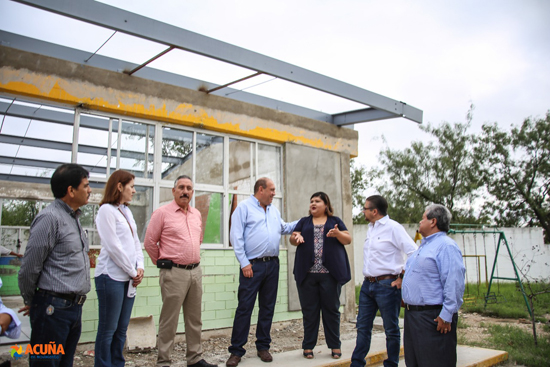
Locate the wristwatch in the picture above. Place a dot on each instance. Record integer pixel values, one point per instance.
(401, 275)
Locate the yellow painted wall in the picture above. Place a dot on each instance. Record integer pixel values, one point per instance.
(73, 84)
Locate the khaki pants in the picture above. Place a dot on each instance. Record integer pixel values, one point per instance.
(180, 289)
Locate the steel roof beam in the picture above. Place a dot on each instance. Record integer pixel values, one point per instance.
(146, 28)
(24, 162)
(88, 149)
(354, 117)
(73, 55)
(370, 114)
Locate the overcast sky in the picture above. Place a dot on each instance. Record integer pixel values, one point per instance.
(438, 56)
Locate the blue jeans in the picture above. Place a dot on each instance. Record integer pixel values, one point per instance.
(373, 297)
(264, 284)
(115, 309)
(61, 326)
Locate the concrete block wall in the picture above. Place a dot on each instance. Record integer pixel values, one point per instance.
(220, 285)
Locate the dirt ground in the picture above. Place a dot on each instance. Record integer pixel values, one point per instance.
(286, 336)
(476, 329)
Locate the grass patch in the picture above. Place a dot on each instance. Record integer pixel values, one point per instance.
(520, 345)
(510, 301)
(462, 324)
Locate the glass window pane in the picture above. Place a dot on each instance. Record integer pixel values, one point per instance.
(17, 170)
(14, 238)
(44, 154)
(36, 129)
(269, 164)
(209, 159)
(87, 220)
(177, 154)
(210, 206)
(33, 147)
(142, 208)
(93, 140)
(94, 163)
(165, 196)
(19, 212)
(137, 147)
(240, 153)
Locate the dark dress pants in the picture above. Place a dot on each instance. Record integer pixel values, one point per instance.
(263, 284)
(424, 345)
(320, 293)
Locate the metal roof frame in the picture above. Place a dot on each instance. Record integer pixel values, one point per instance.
(377, 107)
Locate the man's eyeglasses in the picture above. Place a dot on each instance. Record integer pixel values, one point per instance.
(368, 208)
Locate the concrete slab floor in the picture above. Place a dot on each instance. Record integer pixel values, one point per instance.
(467, 356)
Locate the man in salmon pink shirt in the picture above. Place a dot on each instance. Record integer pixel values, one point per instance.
(173, 241)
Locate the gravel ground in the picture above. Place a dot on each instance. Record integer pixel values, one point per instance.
(286, 336)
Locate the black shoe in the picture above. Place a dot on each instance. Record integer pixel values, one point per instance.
(202, 363)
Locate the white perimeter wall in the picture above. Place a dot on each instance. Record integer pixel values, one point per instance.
(530, 253)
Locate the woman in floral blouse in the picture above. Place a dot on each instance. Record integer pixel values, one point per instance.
(321, 268)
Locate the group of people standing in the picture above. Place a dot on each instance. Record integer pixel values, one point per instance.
(429, 285)
(55, 274)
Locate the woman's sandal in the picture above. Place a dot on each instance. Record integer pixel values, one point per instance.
(308, 355)
(336, 355)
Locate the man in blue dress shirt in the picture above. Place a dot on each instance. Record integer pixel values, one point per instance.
(432, 289)
(256, 228)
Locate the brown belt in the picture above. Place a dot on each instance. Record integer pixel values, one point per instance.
(381, 277)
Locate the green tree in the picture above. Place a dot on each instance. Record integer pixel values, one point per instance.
(516, 171)
(443, 171)
(19, 212)
(361, 179)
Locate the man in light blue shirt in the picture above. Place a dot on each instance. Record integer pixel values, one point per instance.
(9, 322)
(256, 229)
(432, 290)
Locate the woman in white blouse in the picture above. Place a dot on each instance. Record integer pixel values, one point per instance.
(119, 268)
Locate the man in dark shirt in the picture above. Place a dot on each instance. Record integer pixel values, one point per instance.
(55, 270)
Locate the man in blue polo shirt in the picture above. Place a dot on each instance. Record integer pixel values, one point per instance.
(432, 289)
(256, 229)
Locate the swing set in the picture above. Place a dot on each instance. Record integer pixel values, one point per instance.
(490, 297)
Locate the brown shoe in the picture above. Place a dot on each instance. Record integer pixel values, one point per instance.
(265, 356)
(233, 361)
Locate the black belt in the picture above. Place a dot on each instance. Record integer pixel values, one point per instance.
(264, 259)
(186, 267)
(423, 308)
(76, 298)
(381, 277)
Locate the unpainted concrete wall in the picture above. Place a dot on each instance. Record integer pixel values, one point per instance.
(310, 170)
